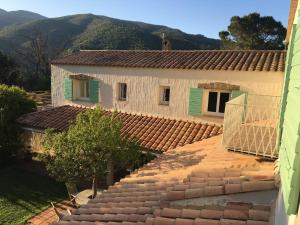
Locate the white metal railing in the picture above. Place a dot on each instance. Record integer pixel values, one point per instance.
(250, 125)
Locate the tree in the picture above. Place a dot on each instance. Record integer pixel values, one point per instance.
(34, 58)
(89, 149)
(253, 32)
(9, 72)
(13, 103)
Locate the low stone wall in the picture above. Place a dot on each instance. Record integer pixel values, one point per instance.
(32, 141)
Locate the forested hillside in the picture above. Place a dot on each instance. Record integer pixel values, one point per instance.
(33, 44)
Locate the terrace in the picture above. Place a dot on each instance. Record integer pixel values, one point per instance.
(250, 125)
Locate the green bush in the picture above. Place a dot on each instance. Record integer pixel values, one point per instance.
(13, 103)
(90, 149)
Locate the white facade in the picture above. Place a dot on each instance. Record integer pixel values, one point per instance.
(144, 87)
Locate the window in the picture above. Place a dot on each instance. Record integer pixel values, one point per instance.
(216, 102)
(82, 89)
(165, 95)
(122, 91)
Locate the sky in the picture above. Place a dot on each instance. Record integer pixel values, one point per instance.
(206, 17)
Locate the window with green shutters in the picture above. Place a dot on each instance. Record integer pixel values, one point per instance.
(195, 101)
(68, 86)
(289, 126)
(81, 90)
(94, 91)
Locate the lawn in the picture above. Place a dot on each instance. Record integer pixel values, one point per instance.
(24, 194)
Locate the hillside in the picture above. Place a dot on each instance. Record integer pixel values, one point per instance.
(89, 31)
(33, 44)
(15, 17)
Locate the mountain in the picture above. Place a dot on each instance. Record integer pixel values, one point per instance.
(87, 31)
(33, 44)
(15, 17)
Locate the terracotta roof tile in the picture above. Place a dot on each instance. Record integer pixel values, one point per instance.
(245, 60)
(232, 222)
(148, 194)
(154, 133)
(206, 222)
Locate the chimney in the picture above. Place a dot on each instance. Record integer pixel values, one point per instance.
(166, 44)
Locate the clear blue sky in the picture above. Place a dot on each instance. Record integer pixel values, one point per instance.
(206, 17)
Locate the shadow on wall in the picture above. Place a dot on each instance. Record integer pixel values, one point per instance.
(280, 217)
(106, 91)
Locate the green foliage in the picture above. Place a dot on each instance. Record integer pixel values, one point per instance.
(253, 32)
(84, 151)
(25, 194)
(9, 71)
(13, 103)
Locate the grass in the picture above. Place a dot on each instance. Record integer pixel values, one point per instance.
(24, 194)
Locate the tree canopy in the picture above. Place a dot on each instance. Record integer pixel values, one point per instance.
(89, 148)
(9, 72)
(253, 31)
(13, 103)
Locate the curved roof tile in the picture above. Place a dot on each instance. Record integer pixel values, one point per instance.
(154, 133)
(240, 60)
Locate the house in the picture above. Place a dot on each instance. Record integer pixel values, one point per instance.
(195, 181)
(188, 89)
(189, 85)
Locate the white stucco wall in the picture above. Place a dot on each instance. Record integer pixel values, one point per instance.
(143, 86)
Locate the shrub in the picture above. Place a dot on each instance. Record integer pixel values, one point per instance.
(14, 102)
(90, 149)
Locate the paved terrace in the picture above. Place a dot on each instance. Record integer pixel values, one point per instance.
(197, 184)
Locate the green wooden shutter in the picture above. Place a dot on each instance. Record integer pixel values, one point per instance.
(68, 92)
(288, 135)
(195, 101)
(94, 91)
(237, 93)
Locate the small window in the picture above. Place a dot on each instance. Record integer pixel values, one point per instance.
(216, 102)
(83, 90)
(122, 91)
(165, 95)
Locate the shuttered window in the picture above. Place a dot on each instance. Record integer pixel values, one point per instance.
(82, 90)
(195, 101)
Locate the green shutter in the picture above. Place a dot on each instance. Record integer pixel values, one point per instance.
(289, 123)
(237, 93)
(94, 91)
(68, 89)
(195, 101)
